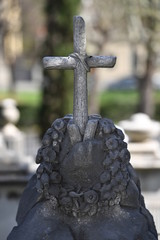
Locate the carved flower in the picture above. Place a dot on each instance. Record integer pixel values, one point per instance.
(113, 195)
(58, 124)
(117, 199)
(114, 168)
(123, 167)
(114, 154)
(68, 116)
(124, 155)
(52, 155)
(97, 187)
(124, 182)
(49, 155)
(113, 182)
(121, 187)
(107, 129)
(119, 177)
(47, 167)
(39, 156)
(93, 210)
(120, 133)
(126, 175)
(60, 138)
(85, 207)
(54, 135)
(56, 146)
(107, 126)
(63, 193)
(106, 191)
(45, 179)
(46, 141)
(53, 201)
(55, 177)
(111, 124)
(49, 131)
(107, 162)
(105, 177)
(91, 197)
(66, 202)
(111, 203)
(111, 143)
(106, 196)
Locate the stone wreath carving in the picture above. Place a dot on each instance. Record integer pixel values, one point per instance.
(84, 176)
(84, 189)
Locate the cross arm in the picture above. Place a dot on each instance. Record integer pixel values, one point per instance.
(101, 61)
(70, 62)
(59, 63)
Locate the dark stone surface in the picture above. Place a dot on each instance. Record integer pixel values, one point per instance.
(84, 188)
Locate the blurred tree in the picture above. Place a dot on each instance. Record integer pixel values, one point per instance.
(143, 27)
(59, 42)
(137, 21)
(33, 31)
(2, 25)
(11, 42)
(103, 22)
(20, 36)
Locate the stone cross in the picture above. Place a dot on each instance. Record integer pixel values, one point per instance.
(81, 63)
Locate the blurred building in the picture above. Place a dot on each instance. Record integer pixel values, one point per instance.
(11, 39)
(15, 72)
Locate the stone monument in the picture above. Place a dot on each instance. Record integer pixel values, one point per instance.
(14, 140)
(16, 167)
(143, 134)
(85, 187)
(13, 137)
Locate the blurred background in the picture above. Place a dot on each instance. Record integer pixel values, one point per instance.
(31, 98)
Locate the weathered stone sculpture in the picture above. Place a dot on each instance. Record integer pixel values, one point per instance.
(84, 187)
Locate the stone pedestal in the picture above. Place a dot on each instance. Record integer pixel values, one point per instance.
(12, 184)
(140, 128)
(85, 187)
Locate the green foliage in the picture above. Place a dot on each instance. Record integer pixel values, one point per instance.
(32, 99)
(28, 104)
(119, 105)
(58, 84)
(157, 104)
(29, 116)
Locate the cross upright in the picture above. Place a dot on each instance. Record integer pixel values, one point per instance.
(81, 64)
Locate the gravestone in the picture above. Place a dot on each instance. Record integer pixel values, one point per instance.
(144, 145)
(85, 187)
(13, 137)
(16, 168)
(137, 131)
(14, 140)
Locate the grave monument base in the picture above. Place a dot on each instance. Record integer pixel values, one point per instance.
(85, 188)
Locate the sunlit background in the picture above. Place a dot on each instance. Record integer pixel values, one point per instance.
(31, 98)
